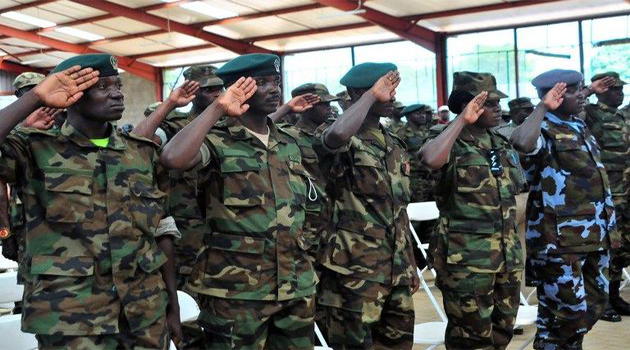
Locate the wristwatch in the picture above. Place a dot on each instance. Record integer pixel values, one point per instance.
(5, 233)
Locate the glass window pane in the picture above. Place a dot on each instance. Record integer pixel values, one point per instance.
(324, 67)
(546, 47)
(415, 64)
(488, 52)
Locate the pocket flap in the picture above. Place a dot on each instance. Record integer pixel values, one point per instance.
(472, 227)
(567, 145)
(152, 259)
(239, 164)
(143, 189)
(363, 228)
(62, 266)
(68, 183)
(235, 243)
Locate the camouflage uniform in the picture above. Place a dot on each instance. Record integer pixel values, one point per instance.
(476, 251)
(570, 227)
(395, 125)
(92, 273)
(421, 180)
(366, 288)
(253, 277)
(609, 127)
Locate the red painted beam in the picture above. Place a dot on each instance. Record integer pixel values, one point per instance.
(19, 68)
(440, 70)
(29, 53)
(419, 35)
(230, 44)
(137, 68)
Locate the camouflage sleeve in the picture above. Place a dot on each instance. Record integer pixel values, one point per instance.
(14, 157)
(167, 227)
(323, 149)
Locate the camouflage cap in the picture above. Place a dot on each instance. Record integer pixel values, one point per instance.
(204, 75)
(398, 105)
(475, 83)
(343, 95)
(27, 79)
(615, 75)
(314, 88)
(151, 108)
(521, 102)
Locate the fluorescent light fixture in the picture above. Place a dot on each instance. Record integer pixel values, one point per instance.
(80, 33)
(26, 19)
(208, 10)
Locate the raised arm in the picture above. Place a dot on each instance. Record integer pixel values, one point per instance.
(599, 86)
(179, 97)
(298, 104)
(182, 152)
(342, 129)
(436, 152)
(58, 90)
(525, 135)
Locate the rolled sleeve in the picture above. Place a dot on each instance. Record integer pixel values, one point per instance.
(167, 227)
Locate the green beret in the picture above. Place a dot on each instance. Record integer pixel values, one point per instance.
(615, 75)
(106, 64)
(318, 89)
(413, 108)
(474, 83)
(365, 75)
(204, 75)
(547, 80)
(521, 102)
(251, 65)
(27, 79)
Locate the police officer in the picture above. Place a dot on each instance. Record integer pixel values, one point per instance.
(370, 269)
(608, 125)
(476, 251)
(570, 212)
(254, 280)
(98, 276)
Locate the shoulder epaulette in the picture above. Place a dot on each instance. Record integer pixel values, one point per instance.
(135, 137)
(34, 131)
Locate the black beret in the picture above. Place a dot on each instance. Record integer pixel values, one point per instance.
(545, 81)
(412, 108)
(106, 64)
(366, 74)
(251, 65)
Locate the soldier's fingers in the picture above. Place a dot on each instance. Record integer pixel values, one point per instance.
(86, 77)
(74, 98)
(244, 108)
(70, 71)
(87, 84)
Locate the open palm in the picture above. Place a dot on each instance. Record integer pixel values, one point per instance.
(185, 93)
(234, 98)
(553, 99)
(64, 88)
(304, 102)
(474, 108)
(385, 88)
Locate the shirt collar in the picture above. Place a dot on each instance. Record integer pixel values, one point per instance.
(115, 141)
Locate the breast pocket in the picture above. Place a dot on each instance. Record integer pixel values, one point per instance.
(147, 206)
(242, 184)
(368, 179)
(572, 157)
(69, 198)
(613, 137)
(59, 281)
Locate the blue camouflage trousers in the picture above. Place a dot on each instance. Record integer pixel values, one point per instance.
(572, 294)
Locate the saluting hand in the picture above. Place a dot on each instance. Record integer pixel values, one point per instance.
(385, 88)
(602, 85)
(184, 94)
(301, 103)
(233, 99)
(43, 118)
(474, 108)
(62, 89)
(553, 99)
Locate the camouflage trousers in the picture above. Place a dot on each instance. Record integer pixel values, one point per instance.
(155, 336)
(360, 314)
(572, 295)
(481, 308)
(620, 258)
(253, 324)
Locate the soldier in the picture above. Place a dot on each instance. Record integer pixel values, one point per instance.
(570, 212)
(476, 251)
(444, 115)
(395, 118)
(370, 272)
(414, 133)
(608, 125)
(254, 280)
(520, 108)
(99, 276)
(42, 118)
(344, 100)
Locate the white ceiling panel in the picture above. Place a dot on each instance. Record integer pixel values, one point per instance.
(134, 3)
(133, 47)
(188, 16)
(72, 9)
(9, 3)
(63, 37)
(23, 44)
(270, 5)
(214, 54)
(100, 30)
(400, 8)
(176, 39)
(46, 15)
(320, 18)
(255, 27)
(126, 25)
(15, 24)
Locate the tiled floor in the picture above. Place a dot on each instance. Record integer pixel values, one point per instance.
(604, 336)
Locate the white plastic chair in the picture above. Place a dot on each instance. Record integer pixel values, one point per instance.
(10, 291)
(188, 310)
(6, 264)
(626, 278)
(321, 339)
(11, 335)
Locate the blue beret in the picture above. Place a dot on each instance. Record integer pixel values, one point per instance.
(251, 65)
(364, 75)
(106, 64)
(547, 80)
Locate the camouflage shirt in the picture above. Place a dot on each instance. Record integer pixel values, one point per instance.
(421, 179)
(395, 125)
(570, 207)
(256, 200)
(91, 215)
(370, 193)
(477, 227)
(186, 202)
(609, 127)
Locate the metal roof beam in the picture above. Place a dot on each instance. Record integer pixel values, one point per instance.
(18, 68)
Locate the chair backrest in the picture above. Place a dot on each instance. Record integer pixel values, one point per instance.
(423, 211)
(6, 264)
(10, 291)
(188, 308)
(322, 340)
(11, 335)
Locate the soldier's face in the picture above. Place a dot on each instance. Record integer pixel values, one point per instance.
(444, 115)
(104, 101)
(491, 116)
(518, 115)
(574, 100)
(320, 112)
(418, 117)
(613, 97)
(205, 96)
(267, 97)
